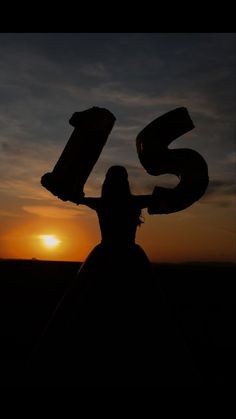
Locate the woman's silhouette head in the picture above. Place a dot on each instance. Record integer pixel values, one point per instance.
(116, 184)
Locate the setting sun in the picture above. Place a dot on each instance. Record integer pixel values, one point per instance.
(50, 241)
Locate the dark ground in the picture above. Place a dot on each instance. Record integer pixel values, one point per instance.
(197, 305)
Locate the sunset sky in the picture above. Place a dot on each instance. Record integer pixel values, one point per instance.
(45, 78)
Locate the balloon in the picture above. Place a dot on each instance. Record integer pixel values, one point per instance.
(91, 130)
(155, 156)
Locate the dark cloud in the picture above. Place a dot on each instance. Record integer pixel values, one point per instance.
(10, 149)
(222, 187)
(220, 193)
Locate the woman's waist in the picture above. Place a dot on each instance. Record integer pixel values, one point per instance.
(118, 241)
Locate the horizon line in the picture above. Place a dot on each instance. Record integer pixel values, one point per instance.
(210, 262)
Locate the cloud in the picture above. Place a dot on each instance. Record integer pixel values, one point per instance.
(9, 149)
(11, 214)
(231, 158)
(95, 70)
(21, 166)
(221, 193)
(53, 212)
(224, 186)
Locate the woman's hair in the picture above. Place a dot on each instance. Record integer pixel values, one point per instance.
(116, 187)
(116, 183)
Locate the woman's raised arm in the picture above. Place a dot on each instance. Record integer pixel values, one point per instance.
(92, 203)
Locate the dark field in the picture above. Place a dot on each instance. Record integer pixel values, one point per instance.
(197, 300)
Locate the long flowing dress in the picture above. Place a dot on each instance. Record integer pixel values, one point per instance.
(111, 328)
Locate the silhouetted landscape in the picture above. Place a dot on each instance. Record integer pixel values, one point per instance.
(197, 300)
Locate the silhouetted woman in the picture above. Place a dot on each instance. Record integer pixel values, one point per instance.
(101, 329)
(119, 214)
(110, 329)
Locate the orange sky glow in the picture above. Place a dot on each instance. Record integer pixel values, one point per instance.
(191, 235)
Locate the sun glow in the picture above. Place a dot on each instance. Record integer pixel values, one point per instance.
(50, 241)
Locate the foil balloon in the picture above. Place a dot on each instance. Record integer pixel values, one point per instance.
(157, 159)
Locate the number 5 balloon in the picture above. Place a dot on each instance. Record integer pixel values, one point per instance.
(155, 156)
